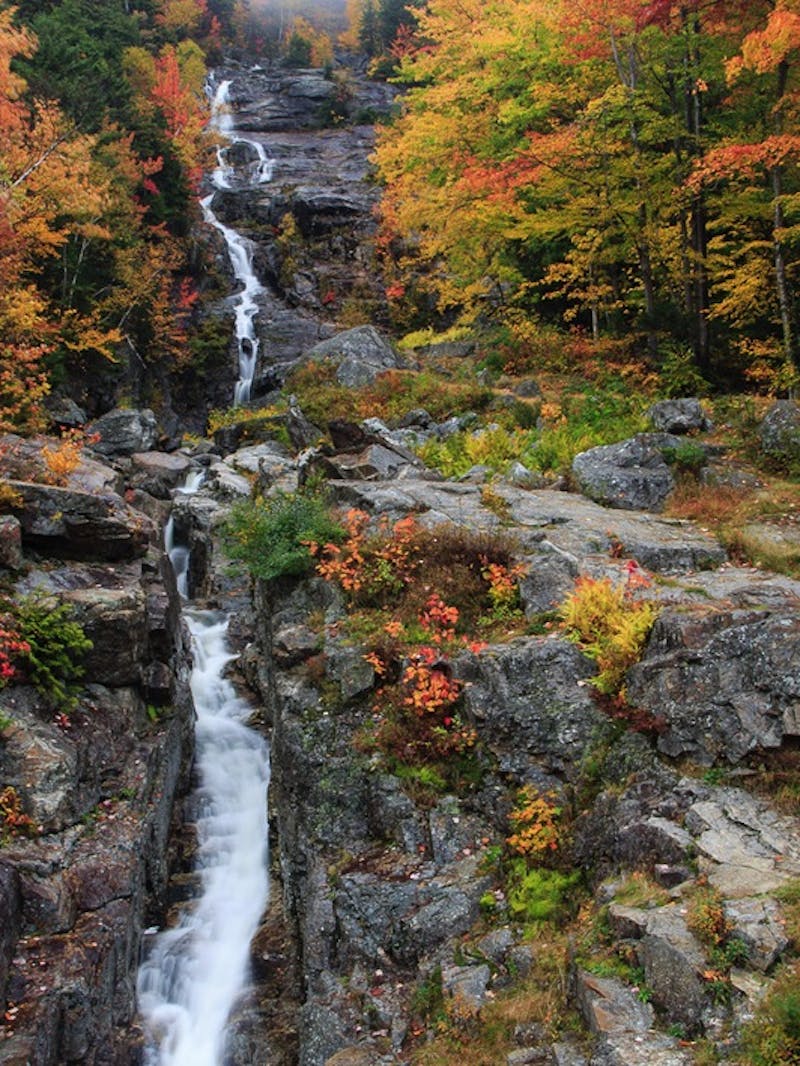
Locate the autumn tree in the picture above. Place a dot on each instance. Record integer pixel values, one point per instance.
(571, 161)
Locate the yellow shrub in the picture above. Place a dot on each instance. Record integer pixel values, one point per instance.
(610, 625)
(536, 821)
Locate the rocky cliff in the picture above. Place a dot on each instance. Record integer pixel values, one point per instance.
(98, 781)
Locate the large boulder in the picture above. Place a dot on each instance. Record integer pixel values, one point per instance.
(531, 705)
(779, 433)
(679, 416)
(672, 960)
(633, 474)
(81, 525)
(724, 682)
(360, 354)
(124, 431)
(159, 473)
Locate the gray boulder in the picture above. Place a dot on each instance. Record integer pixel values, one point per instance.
(158, 473)
(679, 416)
(632, 475)
(360, 355)
(123, 431)
(623, 1025)
(759, 924)
(672, 960)
(63, 411)
(531, 705)
(81, 525)
(779, 433)
(724, 682)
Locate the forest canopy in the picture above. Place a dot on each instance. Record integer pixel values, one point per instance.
(627, 167)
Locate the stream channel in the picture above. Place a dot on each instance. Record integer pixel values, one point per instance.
(195, 971)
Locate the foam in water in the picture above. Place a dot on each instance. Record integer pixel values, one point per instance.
(195, 971)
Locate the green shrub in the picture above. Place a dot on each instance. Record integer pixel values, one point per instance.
(493, 447)
(678, 374)
(272, 536)
(539, 895)
(687, 457)
(773, 1037)
(58, 644)
(588, 419)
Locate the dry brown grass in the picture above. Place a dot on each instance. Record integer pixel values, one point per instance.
(709, 507)
(486, 1040)
(729, 513)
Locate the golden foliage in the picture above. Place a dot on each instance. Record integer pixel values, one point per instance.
(610, 624)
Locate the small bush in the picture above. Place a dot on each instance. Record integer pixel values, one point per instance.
(13, 820)
(538, 895)
(536, 821)
(687, 457)
(678, 374)
(56, 647)
(272, 537)
(494, 448)
(610, 624)
(65, 458)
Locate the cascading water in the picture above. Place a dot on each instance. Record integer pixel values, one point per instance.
(179, 553)
(195, 971)
(240, 250)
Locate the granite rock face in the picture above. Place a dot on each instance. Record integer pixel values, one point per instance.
(69, 523)
(724, 682)
(779, 432)
(99, 786)
(633, 475)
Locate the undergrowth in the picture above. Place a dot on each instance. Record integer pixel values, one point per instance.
(611, 623)
(415, 596)
(272, 536)
(42, 644)
(390, 396)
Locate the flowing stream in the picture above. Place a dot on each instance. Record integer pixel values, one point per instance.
(240, 249)
(195, 970)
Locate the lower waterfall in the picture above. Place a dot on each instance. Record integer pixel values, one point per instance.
(195, 971)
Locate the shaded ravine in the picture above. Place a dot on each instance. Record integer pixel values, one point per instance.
(195, 971)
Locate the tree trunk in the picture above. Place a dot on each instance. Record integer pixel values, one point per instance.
(781, 280)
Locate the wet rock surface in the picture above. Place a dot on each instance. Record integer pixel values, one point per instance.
(99, 783)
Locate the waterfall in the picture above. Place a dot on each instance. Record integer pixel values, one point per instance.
(240, 249)
(195, 970)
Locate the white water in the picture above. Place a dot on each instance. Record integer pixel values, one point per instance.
(195, 971)
(179, 553)
(240, 250)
